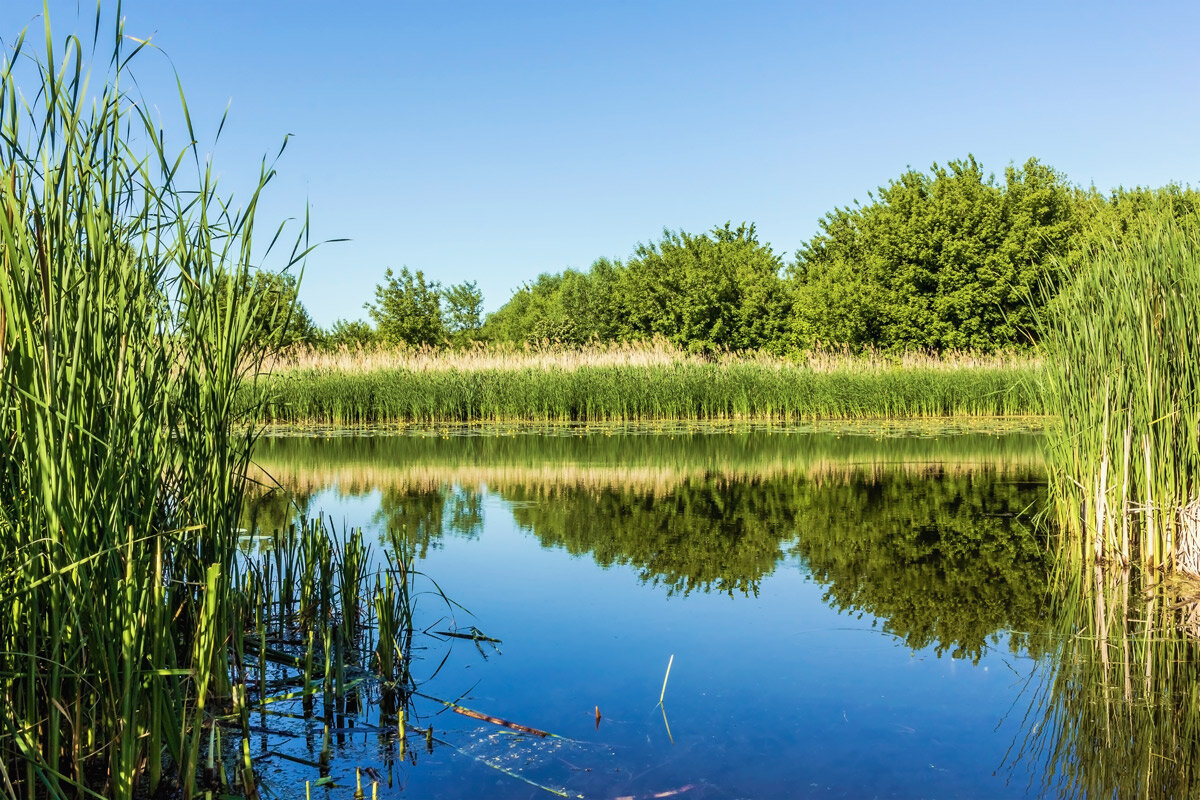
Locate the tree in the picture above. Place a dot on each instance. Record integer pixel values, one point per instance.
(347, 333)
(463, 315)
(708, 292)
(945, 260)
(280, 319)
(572, 307)
(408, 309)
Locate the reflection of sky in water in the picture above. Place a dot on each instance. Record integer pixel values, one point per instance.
(770, 695)
(774, 695)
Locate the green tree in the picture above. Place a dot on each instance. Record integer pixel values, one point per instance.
(944, 260)
(349, 333)
(408, 309)
(708, 292)
(571, 307)
(463, 315)
(280, 319)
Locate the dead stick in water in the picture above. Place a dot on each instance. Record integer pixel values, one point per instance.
(665, 678)
(467, 712)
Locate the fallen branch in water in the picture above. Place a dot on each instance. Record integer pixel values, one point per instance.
(467, 712)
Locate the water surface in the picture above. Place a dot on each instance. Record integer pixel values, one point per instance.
(846, 615)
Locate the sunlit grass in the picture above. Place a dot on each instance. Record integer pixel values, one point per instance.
(123, 453)
(654, 352)
(651, 382)
(1123, 342)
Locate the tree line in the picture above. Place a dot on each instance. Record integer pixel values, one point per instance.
(946, 259)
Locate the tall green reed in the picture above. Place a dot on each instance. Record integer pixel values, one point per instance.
(682, 390)
(121, 469)
(1123, 343)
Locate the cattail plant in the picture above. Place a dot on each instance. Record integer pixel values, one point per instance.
(1123, 343)
(682, 390)
(122, 450)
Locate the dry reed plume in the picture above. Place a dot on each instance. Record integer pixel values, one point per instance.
(548, 355)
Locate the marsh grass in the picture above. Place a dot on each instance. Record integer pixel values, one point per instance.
(546, 354)
(1123, 344)
(593, 386)
(122, 451)
(320, 615)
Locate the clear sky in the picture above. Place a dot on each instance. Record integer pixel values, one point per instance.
(493, 141)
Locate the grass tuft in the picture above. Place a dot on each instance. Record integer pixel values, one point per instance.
(1123, 339)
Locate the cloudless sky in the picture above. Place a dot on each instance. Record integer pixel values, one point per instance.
(493, 141)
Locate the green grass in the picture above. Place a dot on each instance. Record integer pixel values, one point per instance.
(750, 390)
(121, 453)
(1123, 339)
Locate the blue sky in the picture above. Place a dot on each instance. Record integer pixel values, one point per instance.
(494, 141)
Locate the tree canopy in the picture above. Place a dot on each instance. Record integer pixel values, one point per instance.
(948, 259)
(706, 292)
(408, 309)
(280, 319)
(953, 258)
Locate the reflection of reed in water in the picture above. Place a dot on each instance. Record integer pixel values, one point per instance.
(927, 534)
(358, 479)
(659, 463)
(1120, 707)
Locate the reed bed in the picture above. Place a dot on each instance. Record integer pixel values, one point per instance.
(683, 389)
(547, 355)
(1123, 342)
(123, 456)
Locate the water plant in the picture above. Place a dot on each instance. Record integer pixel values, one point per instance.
(1123, 344)
(684, 389)
(123, 452)
(1115, 708)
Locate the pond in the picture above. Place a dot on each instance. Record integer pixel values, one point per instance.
(845, 612)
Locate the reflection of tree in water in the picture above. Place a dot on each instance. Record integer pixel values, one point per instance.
(466, 512)
(942, 558)
(936, 552)
(267, 510)
(424, 516)
(704, 534)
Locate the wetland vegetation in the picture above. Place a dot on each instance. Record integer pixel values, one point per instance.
(622, 385)
(186, 613)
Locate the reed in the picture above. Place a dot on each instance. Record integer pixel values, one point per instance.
(681, 389)
(1123, 339)
(658, 351)
(122, 451)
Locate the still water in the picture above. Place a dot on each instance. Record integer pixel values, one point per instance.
(846, 613)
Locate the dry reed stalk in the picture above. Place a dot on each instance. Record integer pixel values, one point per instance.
(655, 352)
